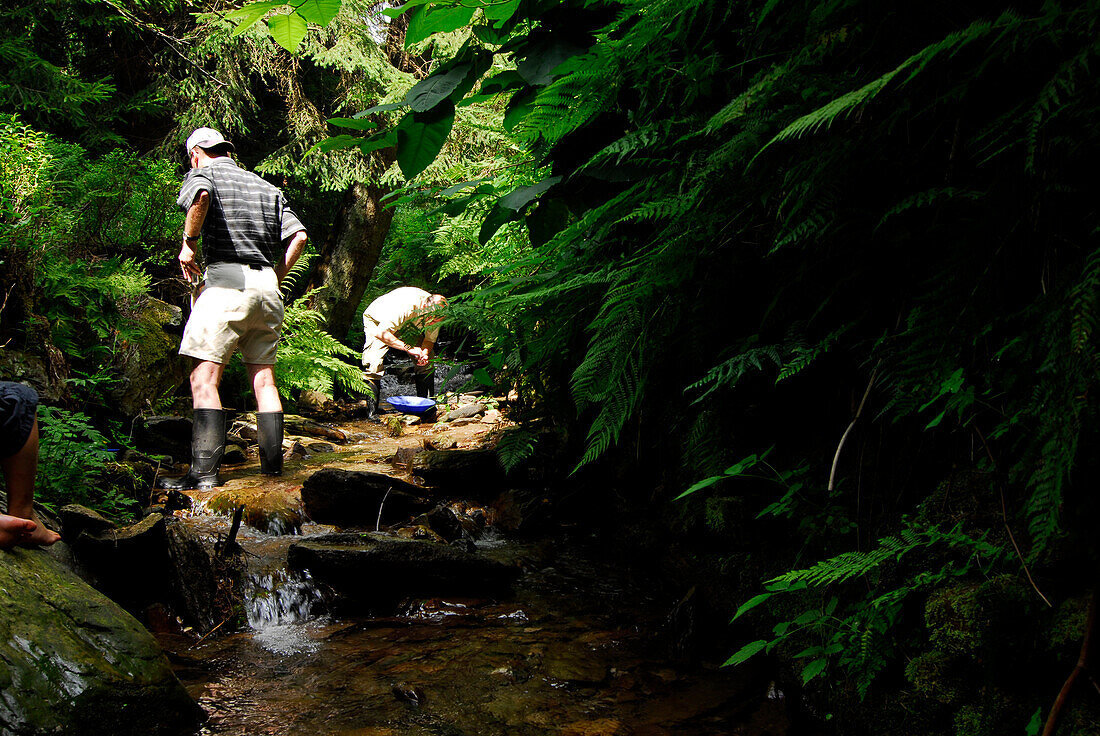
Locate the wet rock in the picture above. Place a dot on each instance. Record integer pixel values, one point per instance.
(243, 432)
(442, 521)
(410, 694)
(464, 422)
(297, 449)
(378, 569)
(269, 508)
(421, 532)
(354, 497)
(467, 473)
(76, 519)
(315, 402)
(464, 412)
(234, 455)
(575, 664)
(73, 662)
(410, 420)
(320, 448)
(157, 560)
(294, 424)
(491, 417)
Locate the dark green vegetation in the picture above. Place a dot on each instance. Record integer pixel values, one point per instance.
(831, 269)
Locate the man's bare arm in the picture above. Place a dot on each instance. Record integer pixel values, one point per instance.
(293, 251)
(192, 226)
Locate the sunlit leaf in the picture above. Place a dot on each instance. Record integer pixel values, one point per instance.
(288, 30)
(354, 123)
(427, 20)
(320, 12)
(813, 669)
(427, 93)
(246, 16)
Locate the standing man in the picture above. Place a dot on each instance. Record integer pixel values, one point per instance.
(250, 239)
(404, 307)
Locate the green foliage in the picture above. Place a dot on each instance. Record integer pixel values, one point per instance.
(74, 464)
(310, 358)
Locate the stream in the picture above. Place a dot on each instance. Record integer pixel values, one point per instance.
(579, 648)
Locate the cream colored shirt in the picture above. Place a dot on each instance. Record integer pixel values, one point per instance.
(391, 311)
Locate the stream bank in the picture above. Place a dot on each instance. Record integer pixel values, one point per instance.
(582, 644)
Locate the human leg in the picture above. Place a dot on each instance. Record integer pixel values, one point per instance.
(207, 431)
(20, 525)
(269, 418)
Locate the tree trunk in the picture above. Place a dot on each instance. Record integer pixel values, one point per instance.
(349, 256)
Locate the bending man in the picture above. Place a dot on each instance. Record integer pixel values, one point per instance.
(404, 308)
(250, 239)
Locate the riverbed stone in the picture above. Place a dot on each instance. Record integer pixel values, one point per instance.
(442, 521)
(354, 497)
(473, 473)
(464, 412)
(378, 568)
(76, 519)
(74, 662)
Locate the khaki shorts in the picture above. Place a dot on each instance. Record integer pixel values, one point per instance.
(239, 307)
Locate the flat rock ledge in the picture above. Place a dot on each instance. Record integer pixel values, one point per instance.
(73, 662)
(378, 568)
(352, 498)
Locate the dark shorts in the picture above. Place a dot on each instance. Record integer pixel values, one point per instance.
(18, 404)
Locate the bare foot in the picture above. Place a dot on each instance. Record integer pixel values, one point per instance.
(14, 530)
(40, 536)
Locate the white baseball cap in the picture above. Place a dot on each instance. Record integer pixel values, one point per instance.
(207, 138)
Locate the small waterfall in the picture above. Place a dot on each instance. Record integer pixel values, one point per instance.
(280, 604)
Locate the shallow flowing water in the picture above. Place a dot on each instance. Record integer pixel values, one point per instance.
(575, 650)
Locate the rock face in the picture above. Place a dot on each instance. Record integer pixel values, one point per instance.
(376, 568)
(150, 365)
(354, 497)
(73, 662)
(157, 560)
(465, 473)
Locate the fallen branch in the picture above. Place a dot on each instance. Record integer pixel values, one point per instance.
(1082, 665)
(844, 437)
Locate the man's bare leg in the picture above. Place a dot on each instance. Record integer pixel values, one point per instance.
(263, 385)
(19, 471)
(206, 376)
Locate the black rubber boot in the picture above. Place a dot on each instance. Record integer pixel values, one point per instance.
(425, 384)
(207, 448)
(375, 386)
(269, 427)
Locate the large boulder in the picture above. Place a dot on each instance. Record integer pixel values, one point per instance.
(157, 560)
(74, 662)
(354, 498)
(149, 363)
(377, 569)
(475, 473)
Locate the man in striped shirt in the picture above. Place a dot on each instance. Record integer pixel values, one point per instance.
(250, 240)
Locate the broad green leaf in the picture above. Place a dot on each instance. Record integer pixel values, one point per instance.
(496, 361)
(501, 82)
(353, 123)
(427, 93)
(399, 11)
(546, 220)
(491, 36)
(497, 217)
(428, 20)
(521, 197)
(745, 652)
(813, 669)
(519, 108)
(456, 188)
(500, 11)
(420, 137)
(320, 12)
(482, 376)
(246, 16)
(335, 142)
(809, 652)
(288, 30)
(706, 482)
(543, 57)
(389, 107)
(751, 603)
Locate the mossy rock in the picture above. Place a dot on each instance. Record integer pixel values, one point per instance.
(973, 617)
(936, 675)
(72, 661)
